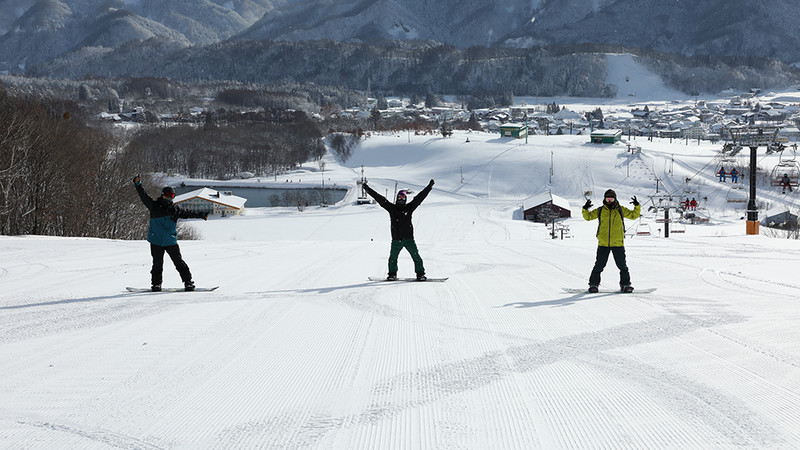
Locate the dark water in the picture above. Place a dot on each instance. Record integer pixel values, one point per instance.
(258, 197)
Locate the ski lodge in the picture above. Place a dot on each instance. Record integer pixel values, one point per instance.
(545, 208)
(214, 202)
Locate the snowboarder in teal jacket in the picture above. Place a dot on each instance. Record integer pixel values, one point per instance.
(163, 233)
(402, 229)
(610, 237)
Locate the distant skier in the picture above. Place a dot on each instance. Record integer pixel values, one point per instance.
(163, 235)
(610, 237)
(402, 229)
(734, 175)
(722, 174)
(786, 182)
(694, 204)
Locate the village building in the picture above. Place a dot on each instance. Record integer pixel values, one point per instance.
(211, 201)
(605, 136)
(515, 130)
(545, 207)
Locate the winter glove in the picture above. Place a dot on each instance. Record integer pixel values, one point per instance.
(634, 201)
(431, 183)
(588, 204)
(137, 180)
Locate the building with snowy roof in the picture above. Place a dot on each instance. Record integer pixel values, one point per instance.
(211, 201)
(545, 207)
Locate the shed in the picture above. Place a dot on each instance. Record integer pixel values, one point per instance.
(545, 207)
(784, 221)
(516, 130)
(211, 201)
(606, 136)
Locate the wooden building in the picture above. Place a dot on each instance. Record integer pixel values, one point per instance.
(545, 207)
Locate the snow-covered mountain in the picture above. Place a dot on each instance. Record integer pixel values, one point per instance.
(716, 27)
(37, 31)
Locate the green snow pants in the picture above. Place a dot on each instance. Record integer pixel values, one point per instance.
(411, 246)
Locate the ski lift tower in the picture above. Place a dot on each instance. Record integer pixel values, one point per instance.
(753, 137)
(664, 203)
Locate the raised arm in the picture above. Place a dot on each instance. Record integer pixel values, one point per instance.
(386, 204)
(421, 196)
(148, 202)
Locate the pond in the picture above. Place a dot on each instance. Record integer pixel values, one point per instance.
(259, 197)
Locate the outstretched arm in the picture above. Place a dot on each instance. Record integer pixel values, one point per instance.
(378, 197)
(421, 196)
(148, 202)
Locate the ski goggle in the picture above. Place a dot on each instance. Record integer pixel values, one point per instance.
(401, 196)
(169, 194)
(610, 199)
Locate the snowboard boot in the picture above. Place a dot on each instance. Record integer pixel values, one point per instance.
(594, 289)
(188, 286)
(392, 277)
(627, 289)
(155, 288)
(421, 277)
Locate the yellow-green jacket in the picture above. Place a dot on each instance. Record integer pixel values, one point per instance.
(611, 229)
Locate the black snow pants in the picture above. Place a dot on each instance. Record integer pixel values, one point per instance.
(601, 261)
(158, 263)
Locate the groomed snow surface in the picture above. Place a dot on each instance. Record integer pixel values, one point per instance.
(297, 349)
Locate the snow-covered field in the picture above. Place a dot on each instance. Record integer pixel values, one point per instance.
(298, 350)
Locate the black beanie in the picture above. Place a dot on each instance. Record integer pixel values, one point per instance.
(168, 189)
(610, 193)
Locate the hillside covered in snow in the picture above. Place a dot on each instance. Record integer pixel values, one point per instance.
(297, 349)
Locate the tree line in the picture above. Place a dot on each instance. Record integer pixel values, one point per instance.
(61, 174)
(418, 67)
(60, 177)
(222, 149)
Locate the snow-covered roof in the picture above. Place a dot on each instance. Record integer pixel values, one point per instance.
(543, 198)
(213, 195)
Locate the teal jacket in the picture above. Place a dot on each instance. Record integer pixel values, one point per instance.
(611, 229)
(164, 219)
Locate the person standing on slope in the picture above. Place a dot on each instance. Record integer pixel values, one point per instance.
(402, 229)
(163, 234)
(610, 237)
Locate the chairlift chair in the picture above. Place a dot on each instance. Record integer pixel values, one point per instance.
(677, 227)
(788, 167)
(737, 194)
(643, 229)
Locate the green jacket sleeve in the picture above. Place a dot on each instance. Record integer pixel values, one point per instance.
(590, 215)
(632, 214)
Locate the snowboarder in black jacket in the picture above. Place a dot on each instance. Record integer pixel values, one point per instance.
(402, 229)
(163, 234)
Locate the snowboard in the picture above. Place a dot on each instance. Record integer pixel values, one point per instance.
(407, 279)
(608, 291)
(176, 289)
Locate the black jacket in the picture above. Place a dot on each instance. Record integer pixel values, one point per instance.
(163, 218)
(400, 216)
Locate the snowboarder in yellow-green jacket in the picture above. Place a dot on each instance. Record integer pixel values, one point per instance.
(610, 237)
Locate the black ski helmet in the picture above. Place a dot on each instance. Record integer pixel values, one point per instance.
(168, 191)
